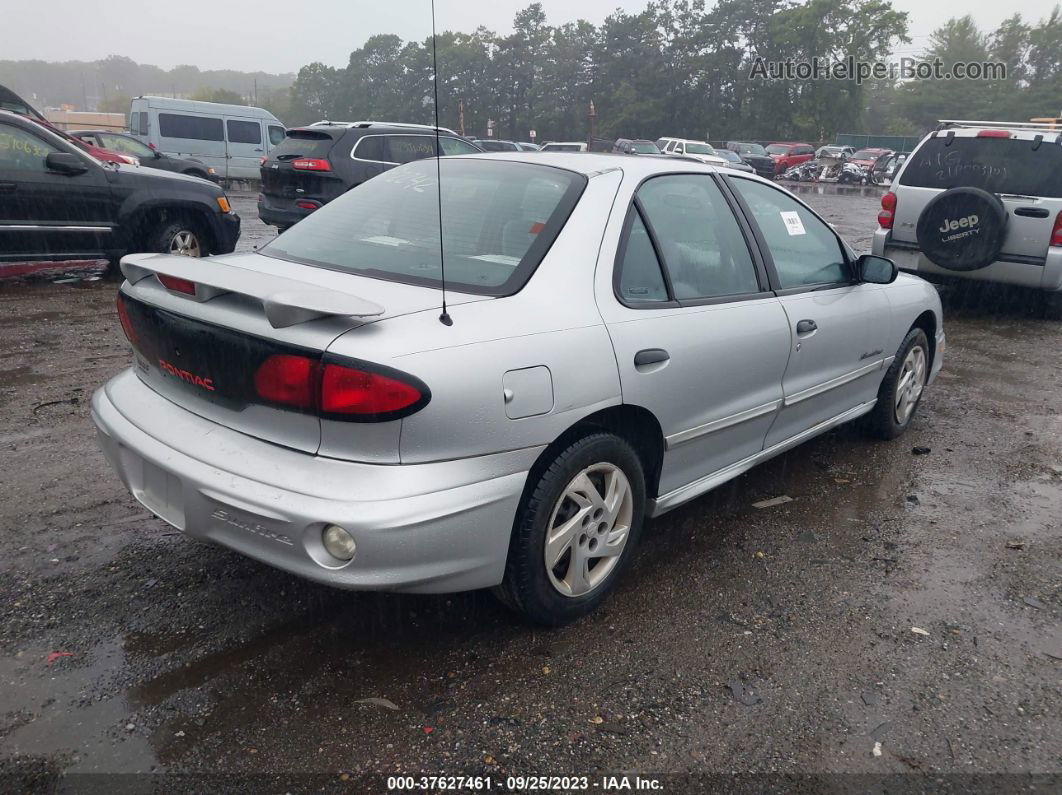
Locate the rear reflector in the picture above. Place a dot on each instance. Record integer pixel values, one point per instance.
(345, 390)
(177, 285)
(1056, 233)
(306, 204)
(888, 210)
(338, 390)
(311, 164)
(993, 134)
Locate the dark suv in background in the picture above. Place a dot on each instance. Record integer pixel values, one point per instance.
(315, 164)
(60, 206)
(755, 155)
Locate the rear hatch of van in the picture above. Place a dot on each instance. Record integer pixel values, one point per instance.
(1025, 173)
(300, 174)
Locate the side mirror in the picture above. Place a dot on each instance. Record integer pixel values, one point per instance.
(876, 270)
(65, 163)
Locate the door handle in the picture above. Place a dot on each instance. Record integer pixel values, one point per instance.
(1032, 212)
(8, 187)
(650, 356)
(806, 326)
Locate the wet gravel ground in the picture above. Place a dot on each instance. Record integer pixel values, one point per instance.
(907, 600)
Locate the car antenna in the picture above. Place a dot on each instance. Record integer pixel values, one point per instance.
(444, 318)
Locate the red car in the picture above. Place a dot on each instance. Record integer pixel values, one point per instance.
(787, 154)
(866, 158)
(11, 101)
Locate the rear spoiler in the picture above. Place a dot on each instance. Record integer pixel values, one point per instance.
(287, 302)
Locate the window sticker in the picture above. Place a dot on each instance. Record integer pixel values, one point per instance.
(793, 224)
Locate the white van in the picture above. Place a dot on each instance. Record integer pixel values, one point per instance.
(231, 138)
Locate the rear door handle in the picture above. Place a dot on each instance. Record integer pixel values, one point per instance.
(806, 326)
(1032, 212)
(8, 187)
(650, 356)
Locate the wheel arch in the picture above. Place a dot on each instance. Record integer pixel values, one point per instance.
(927, 321)
(144, 218)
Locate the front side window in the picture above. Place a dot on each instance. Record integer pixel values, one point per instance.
(276, 134)
(199, 128)
(244, 132)
(407, 148)
(22, 151)
(704, 251)
(804, 249)
(498, 219)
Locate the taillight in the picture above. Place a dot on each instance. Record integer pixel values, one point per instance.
(307, 204)
(289, 380)
(124, 319)
(311, 164)
(177, 285)
(337, 390)
(1056, 233)
(993, 134)
(346, 390)
(888, 210)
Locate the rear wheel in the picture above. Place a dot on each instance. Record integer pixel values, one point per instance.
(901, 389)
(575, 531)
(180, 236)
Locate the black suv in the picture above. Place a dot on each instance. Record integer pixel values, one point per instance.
(755, 155)
(125, 144)
(58, 203)
(315, 164)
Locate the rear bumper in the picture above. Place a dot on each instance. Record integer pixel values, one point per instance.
(1046, 275)
(279, 212)
(425, 528)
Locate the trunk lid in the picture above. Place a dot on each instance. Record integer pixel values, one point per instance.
(204, 352)
(280, 178)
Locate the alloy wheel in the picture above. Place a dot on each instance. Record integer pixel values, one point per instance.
(588, 529)
(910, 383)
(185, 243)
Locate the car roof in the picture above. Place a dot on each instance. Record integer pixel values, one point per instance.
(593, 163)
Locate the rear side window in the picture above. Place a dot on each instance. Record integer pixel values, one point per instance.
(499, 219)
(371, 147)
(640, 278)
(21, 151)
(997, 165)
(199, 128)
(407, 148)
(134, 121)
(304, 143)
(701, 243)
(143, 126)
(276, 134)
(244, 132)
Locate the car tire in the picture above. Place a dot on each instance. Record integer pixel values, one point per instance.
(573, 492)
(179, 235)
(902, 388)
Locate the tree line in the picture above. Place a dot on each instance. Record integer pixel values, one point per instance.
(681, 68)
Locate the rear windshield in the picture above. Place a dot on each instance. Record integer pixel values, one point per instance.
(498, 219)
(644, 148)
(867, 154)
(303, 143)
(997, 165)
(562, 147)
(750, 149)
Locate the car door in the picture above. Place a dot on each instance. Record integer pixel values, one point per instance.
(47, 215)
(244, 147)
(700, 340)
(839, 327)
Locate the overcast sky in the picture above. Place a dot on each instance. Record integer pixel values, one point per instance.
(280, 37)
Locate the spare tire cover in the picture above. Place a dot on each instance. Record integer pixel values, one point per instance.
(962, 229)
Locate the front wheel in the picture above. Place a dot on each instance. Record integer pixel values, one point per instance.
(575, 531)
(901, 389)
(178, 236)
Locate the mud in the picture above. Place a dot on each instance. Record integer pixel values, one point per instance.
(753, 641)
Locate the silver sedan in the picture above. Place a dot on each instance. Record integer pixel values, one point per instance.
(621, 335)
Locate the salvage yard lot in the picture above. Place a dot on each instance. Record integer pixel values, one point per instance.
(769, 640)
